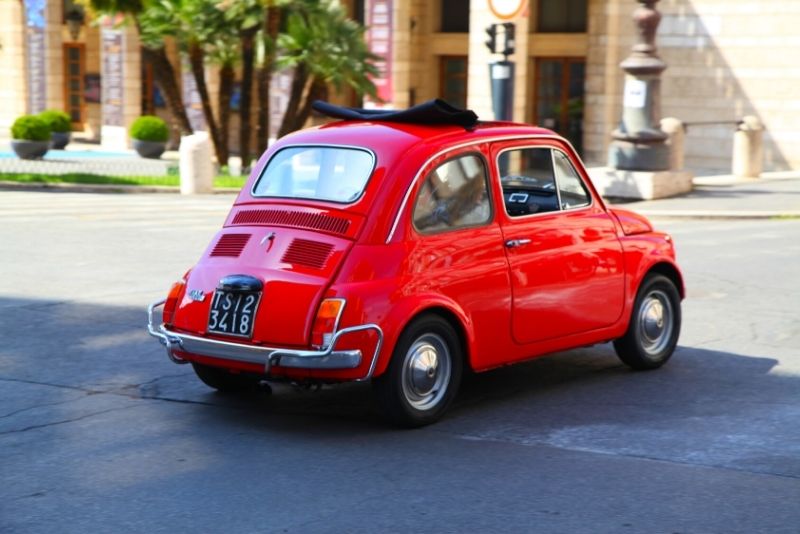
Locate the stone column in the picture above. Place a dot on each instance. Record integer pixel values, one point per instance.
(13, 89)
(748, 148)
(639, 143)
(54, 55)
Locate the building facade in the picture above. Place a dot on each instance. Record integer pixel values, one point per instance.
(95, 71)
(726, 60)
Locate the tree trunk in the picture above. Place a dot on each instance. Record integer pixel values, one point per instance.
(165, 77)
(264, 75)
(248, 60)
(197, 63)
(263, 79)
(226, 80)
(317, 91)
(298, 89)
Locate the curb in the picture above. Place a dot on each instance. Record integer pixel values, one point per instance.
(100, 188)
(718, 215)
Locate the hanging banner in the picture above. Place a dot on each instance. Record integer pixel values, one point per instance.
(112, 75)
(191, 98)
(37, 75)
(378, 15)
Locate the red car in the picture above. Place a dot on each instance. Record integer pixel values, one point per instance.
(401, 252)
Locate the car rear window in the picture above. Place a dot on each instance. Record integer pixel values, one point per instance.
(336, 174)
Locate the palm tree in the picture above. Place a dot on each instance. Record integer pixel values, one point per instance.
(269, 47)
(153, 52)
(224, 53)
(204, 34)
(246, 16)
(325, 48)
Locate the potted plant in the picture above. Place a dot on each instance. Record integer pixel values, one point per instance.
(30, 137)
(60, 127)
(150, 135)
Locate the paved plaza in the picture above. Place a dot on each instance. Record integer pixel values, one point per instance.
(88, 159)
(99, 432)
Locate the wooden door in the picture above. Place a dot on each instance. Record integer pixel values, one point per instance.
(559, 96)
(74, 70)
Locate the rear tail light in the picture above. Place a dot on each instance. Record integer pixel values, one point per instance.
(175, 293)
(326, 322)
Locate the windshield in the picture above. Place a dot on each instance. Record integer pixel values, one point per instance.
(316, 172)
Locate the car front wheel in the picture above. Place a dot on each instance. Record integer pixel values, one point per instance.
(654, 326)
(424, 373)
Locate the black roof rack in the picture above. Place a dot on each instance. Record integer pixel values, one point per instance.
(431, 112)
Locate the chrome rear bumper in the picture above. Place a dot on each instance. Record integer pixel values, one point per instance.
(265, 356)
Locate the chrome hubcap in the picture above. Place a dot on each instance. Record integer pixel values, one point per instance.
(426, 372)
(655, 322)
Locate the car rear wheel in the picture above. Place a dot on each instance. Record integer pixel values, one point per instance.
(224, 381)
(423, 374)
(654, 326)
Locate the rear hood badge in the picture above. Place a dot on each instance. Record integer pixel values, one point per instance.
(270, 239)
(197, 295)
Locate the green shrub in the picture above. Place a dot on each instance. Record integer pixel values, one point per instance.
(150, 128)
(30, 128)
(57, 120)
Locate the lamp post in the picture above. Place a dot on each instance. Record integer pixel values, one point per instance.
(639, 143)
(74, 19)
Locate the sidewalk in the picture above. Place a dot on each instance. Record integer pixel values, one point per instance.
(88, 158)
(774, 195)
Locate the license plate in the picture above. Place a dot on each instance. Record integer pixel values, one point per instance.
(232, 312)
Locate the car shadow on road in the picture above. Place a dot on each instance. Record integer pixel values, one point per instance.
(99, 348)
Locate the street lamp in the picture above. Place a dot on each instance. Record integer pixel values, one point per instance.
(74, 19)
(639, 143)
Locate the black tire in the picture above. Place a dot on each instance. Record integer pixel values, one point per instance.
(224, 381)
(654, 327)
(417, 395)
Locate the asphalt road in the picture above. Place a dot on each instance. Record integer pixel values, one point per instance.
(100, 433)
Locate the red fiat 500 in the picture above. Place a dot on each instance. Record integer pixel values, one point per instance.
(403, 252)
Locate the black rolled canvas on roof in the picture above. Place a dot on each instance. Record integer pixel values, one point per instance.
(431, 112)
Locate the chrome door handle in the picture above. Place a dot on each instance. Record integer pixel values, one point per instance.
(512, 243)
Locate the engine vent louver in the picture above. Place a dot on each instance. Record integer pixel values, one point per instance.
(309, 253)
(296, 219)
(230, 245)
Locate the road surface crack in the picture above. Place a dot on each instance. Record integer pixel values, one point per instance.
(42, 405)
(65, 421)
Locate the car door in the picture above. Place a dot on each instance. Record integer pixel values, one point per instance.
(455, 250)
(565, 259)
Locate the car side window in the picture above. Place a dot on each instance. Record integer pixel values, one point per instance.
(570, 186)
(528, 180)
(454, 195)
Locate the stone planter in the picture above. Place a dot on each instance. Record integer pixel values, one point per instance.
(58, 140)
(30, 149)
(149, 149)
